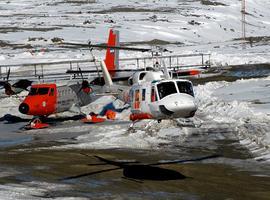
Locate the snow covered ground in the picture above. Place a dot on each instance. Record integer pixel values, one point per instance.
(237, 110)
(244, 105)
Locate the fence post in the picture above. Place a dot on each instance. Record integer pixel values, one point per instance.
(42, 74)
(144, 64)
(202, 61)
(209, 61)
(35, 67)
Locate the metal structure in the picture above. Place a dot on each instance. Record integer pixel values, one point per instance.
(54, 71)
(43, 70)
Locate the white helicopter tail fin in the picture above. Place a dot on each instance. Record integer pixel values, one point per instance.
(106, 74)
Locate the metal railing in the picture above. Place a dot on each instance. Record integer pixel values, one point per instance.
(171, 61)
(56, 70)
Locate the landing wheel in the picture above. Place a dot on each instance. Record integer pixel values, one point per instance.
(131, 128)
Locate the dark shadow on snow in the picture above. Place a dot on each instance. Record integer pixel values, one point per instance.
(10, 119)
(135, 171)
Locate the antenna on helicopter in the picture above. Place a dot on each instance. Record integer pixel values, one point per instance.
(157, 53)
(94, 59)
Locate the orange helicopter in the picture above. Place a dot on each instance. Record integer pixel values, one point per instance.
(45, 99)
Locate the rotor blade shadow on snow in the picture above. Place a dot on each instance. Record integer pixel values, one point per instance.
(187, 160)
(88, 174)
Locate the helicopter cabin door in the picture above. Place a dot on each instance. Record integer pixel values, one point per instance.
(137, 100)
(51, 99)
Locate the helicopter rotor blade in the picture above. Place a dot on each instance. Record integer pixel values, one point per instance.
(8, 74)
(119, 47)
(22, 84)
(108, 47)
(80, 70)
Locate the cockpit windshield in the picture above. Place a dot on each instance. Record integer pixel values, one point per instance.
(39, 91)
(185, 87)
(166, 88)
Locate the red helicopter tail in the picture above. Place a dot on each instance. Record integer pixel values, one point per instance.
(112, 55)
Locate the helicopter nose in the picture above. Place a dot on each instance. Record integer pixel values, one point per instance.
(187, 109)
(24, 108)
(178, 105)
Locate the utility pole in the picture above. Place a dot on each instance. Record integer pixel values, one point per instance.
(243, 11)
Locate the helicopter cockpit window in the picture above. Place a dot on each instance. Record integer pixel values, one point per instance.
(38, 91)
(43, 91)
(166, 88)
(142, 75)
(143, 94)
(153, 95)
(185, 87)
(33, 91)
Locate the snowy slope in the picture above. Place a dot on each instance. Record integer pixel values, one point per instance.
(244, 106)
(183, 26)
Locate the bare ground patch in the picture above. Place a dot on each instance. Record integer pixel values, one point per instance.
(19, 29)
(6, 44)
(212, 3)
(255, 39)
(72, 2)
(118, 9)
(151, 43)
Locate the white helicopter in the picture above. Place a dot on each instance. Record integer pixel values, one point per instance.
(152, 94)
(155, 95)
